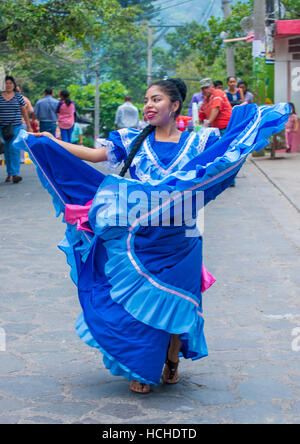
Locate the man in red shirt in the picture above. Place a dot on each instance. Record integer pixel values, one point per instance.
(215, 110)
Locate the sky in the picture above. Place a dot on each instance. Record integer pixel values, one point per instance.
(182, 11)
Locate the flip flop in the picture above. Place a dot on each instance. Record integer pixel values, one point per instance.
(172, 366)
(143, 392)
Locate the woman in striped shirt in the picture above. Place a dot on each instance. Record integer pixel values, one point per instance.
(12, 108)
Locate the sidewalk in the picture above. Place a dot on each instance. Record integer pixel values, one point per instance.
(284, 173)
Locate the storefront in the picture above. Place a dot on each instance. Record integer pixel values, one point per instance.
(287, 66)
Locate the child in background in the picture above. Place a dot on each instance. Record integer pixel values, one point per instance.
(291, 128)
(77, 134)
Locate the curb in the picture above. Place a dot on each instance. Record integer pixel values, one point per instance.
(276, 186)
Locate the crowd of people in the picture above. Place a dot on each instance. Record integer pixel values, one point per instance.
(213, 106)
(57, 117)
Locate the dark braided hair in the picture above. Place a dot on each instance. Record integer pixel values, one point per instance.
(135, 147)
(175, 89)
(66, 96)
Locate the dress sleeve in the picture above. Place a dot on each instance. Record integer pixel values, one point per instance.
(117, 145)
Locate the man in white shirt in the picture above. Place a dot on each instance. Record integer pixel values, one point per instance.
(127, 115)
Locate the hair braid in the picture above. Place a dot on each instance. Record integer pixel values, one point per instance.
(135, 148)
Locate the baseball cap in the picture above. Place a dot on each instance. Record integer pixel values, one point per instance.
(206, 82)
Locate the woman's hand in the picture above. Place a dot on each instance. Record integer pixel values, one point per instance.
(44, 133)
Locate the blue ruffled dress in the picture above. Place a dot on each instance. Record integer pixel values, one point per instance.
(137, 271)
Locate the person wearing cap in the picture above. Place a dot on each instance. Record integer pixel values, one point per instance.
(215, 110)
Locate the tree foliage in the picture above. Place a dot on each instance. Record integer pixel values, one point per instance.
(111, 96)
(127, 61)
(36, 70)
(35, 24)
(210, 49)
(146, 8)
(292, 7)
(179, 48)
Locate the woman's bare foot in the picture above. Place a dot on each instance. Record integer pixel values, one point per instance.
(139, 387)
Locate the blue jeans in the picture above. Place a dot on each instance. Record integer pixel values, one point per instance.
(12, 154)
(50, 127)
(66, 134)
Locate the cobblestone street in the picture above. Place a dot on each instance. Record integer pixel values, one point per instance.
(252, 313)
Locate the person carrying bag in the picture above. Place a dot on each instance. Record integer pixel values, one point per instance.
(12, 108)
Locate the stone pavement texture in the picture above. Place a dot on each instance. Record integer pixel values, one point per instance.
(252, 373)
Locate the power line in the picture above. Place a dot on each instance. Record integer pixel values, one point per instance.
(176, 4)
(165, 3)
(212, 3)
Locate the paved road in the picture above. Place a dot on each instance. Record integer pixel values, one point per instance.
(252, 374)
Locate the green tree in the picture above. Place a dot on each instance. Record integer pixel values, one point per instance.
(179, 49)
(146, 7)
(33, 24)
(36, 70)
(209, 46)
(111, 96)
(127, 61)
(292, 8)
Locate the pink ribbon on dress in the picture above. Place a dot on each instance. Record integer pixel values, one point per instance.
(79, 214)
(207, 279)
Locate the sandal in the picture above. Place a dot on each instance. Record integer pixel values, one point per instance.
(16, 179)
(8, 179)
(172, 367)
(145, 388)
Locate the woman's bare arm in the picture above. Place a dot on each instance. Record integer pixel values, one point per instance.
(83, 152)
(25, 116)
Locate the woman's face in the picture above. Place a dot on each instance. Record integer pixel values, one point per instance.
(158, 108)
(232, 82)
(9, 86)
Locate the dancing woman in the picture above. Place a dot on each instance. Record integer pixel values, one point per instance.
(140, 285)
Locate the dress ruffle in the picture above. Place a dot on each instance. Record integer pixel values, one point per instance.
(109, 361)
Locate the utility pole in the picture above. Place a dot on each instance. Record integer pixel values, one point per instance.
(259, 51)
(270, 50)
(97, 103)
(150, 44)
(230, 66)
